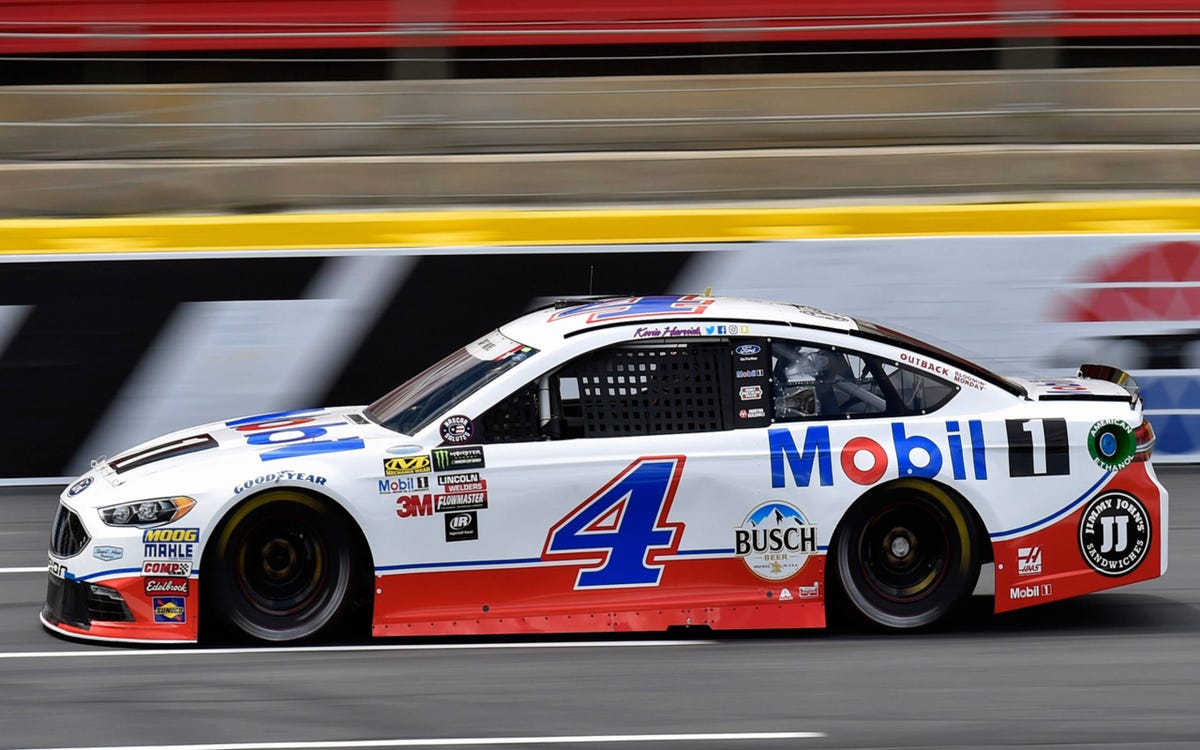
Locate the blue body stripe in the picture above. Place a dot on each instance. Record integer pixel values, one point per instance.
(1056, 514)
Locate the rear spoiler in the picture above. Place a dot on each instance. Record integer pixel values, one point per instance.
(1112, 375)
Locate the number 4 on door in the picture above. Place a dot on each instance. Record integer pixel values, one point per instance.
(622, 529)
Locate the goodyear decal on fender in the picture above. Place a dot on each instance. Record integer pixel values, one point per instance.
(864, 460)
(401, 465)
(173, 568)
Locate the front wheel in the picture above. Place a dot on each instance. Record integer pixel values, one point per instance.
(281, 569)
(908, 556)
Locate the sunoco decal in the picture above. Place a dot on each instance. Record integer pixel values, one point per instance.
(1112, 444)
(1114, 534)
(169, 609)
(775, 541)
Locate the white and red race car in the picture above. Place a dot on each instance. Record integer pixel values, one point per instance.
(623, 464)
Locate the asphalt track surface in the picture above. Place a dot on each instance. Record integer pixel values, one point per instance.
(1113, 670)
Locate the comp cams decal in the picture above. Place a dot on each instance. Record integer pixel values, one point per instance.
(1114, 534)
(775, 541)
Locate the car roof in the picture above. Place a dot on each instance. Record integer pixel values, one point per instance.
(549, 326)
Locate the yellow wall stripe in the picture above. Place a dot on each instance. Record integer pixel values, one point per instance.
(454, 228)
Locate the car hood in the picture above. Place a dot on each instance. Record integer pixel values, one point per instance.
(272, 437)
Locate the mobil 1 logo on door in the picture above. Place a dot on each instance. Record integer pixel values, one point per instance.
(1038, 447)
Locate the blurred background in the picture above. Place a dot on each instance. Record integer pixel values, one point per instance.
(133, 111)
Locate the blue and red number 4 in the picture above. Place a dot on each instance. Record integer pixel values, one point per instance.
(622, 529)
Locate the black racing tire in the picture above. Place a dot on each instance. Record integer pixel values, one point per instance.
(907, 556)
(281, 568)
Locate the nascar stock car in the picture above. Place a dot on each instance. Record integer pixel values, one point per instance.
(621, 464)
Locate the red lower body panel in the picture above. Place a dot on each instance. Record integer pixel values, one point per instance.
(160, 617)
(542, 598)
(1115, 537)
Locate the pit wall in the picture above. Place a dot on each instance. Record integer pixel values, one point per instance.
(113, 331)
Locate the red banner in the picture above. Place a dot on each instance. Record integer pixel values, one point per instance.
(80, 26)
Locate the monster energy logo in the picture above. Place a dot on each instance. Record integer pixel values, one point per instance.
(460, 457)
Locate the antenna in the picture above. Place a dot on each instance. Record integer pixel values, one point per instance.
(591, 275)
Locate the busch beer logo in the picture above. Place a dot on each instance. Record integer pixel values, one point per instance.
(1029, 561)
(1114, 534)
(775, 541)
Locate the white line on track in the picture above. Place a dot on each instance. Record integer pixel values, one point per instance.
(476, 741)
(34, 569)
(330, 649)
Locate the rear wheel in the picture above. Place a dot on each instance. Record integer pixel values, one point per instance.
(281, 569)
(908, 556)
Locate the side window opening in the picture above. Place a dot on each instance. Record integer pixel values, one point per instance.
(631, 389)
(825, 382)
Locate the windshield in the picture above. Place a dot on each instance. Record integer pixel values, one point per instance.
(411, 406)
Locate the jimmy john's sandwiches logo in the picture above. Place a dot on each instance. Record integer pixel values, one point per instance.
(775, 541)
(1114, 534)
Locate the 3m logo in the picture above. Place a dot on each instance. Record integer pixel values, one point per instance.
(394, 467)
(1029, 561)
